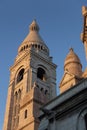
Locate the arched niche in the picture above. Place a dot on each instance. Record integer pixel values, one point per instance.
(82, 120)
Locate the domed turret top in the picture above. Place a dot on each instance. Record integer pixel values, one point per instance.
(72, 71)
(33, 40)
(72, 63)
(71, 57)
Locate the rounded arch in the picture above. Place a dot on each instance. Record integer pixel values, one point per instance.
(20, 74)
(81, 124)
(42, 72)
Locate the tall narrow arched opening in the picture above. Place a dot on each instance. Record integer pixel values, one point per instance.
(15, 97)
(41, 74)
(19, 94)
(25, 114)
(20, 75)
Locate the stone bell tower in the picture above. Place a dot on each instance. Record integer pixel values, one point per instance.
(32, 83)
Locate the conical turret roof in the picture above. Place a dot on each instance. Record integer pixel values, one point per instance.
(72, 57)
(33, 38)
(72, 63)
(33, 35)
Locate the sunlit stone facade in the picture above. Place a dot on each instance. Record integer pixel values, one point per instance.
(32, 83)
(32, 103)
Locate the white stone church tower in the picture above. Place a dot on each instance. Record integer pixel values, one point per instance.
(32, 83)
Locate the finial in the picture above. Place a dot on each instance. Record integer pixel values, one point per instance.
(71, 49)
(34, 26)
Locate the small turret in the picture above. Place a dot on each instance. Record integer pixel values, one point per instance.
(72, 63)
(72, 71)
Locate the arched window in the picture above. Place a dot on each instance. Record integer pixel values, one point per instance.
(46, 91)
(85, 121)
(20, 75)
(16, 96)
(41, 89)
(25, 114)
(19, 94)
(41, 74)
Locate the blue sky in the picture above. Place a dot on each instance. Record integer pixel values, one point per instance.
(61, 24)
